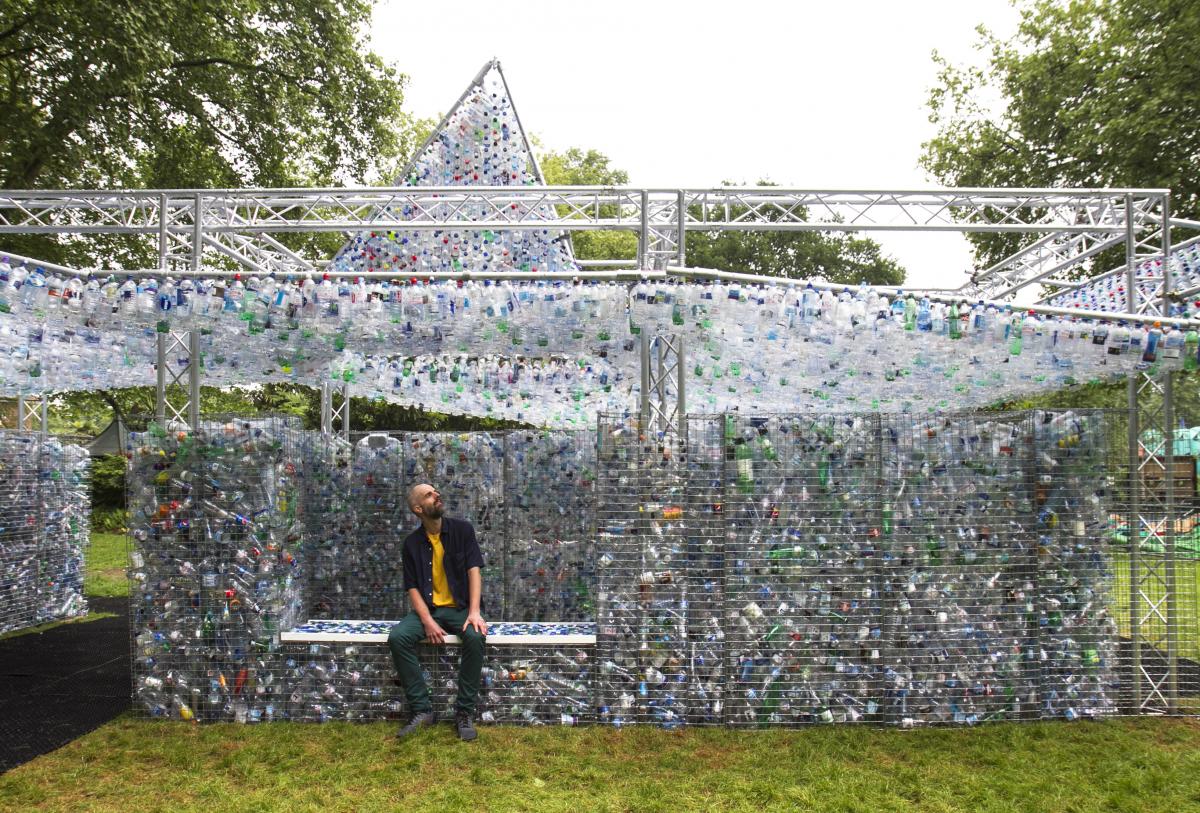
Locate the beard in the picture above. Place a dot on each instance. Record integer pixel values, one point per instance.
(435, 511)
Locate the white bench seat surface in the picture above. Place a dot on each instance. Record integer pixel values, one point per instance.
(502, 633)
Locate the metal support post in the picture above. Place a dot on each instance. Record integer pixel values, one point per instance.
(644, 233)
(31, 413)
(644, 392)
(1133, 509)
(197, 232)
(681, 228)
(1168, 419)
(169, 408)
(662, 411)
(331, 412)
(163, 238)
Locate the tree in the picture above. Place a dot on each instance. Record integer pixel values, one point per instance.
(591, 168)
(214, 93)
(1094, 93)
(842, 258)
(837, 256)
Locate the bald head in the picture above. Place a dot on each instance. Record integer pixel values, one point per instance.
(425, 501)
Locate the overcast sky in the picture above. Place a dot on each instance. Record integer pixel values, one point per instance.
(826, 95)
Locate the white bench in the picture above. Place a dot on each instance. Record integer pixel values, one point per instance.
(500, 633)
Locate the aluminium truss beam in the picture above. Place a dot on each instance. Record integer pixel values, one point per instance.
(177, 393)
(32, 414)
(1154, 599)
(335, 409)
(242, 225)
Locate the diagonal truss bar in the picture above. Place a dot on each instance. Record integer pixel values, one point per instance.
(335, 408)
(177, 396)
(663, 394)
(32, 414)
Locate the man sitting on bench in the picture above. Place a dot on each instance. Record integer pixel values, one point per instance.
(442, 566)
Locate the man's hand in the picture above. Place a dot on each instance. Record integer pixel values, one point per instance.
(434, 632)
(476, 620)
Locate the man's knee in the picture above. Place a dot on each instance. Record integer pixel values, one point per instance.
(402, 636)
(471, 640)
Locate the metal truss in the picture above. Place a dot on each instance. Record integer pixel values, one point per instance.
(663, 394)
(177, 396)
(1063, 251)
(1149, 301)
(1154, 601)
(32, 415)
(242, 225)
(331, 412)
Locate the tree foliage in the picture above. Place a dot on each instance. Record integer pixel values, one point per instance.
(843, 258)
(838, 257)
(576, 167)
(207, 94)
(1090, 93)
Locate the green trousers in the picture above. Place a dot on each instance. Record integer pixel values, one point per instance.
(403, 640)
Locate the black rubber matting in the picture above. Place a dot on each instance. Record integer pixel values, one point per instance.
(60, 684)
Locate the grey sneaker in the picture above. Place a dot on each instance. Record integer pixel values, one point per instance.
(466, 731)
(422, 719)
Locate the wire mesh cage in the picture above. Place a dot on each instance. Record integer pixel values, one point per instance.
(44, 529)
(217, 532)
(771, 570)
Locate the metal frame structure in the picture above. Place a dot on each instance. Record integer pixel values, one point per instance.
(177, 394)
(243, 225)
(32, 415)
(247, 228)
(332, 413)
(663, 394)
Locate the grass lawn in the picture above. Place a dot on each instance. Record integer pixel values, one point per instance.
(1187, 581)
(105, 562)
(130, 765)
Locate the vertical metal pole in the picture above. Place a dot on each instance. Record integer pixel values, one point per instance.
(644, 235)
(346, 410)
(1172, 599)
(197, 232)
(20, 413)
(1133, 513)
(326, 411)
(506, 549)
(660, 385)
(644, 404)
(681, 395)
(681, 225)
(193, 378)
(162, 232)
(160, 393)
(44, 418)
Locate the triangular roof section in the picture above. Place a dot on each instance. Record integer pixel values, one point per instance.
(111, 441)
(480, 142)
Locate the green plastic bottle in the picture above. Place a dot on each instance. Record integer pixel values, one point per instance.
(955, 327)
(744, 460)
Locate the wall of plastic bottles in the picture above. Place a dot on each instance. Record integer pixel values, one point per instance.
(893, 570)
(44, 528)
(480, 144)
(556, 354)
(900, 570)
(1108, 292)
(217, 521)
(243, 528)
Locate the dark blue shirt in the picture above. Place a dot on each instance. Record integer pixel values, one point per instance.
(460, 553)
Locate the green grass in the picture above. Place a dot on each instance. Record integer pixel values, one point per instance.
(1187, 580)
(131, 765)
(105, 563)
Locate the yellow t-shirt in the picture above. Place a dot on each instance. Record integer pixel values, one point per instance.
(442, 597)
